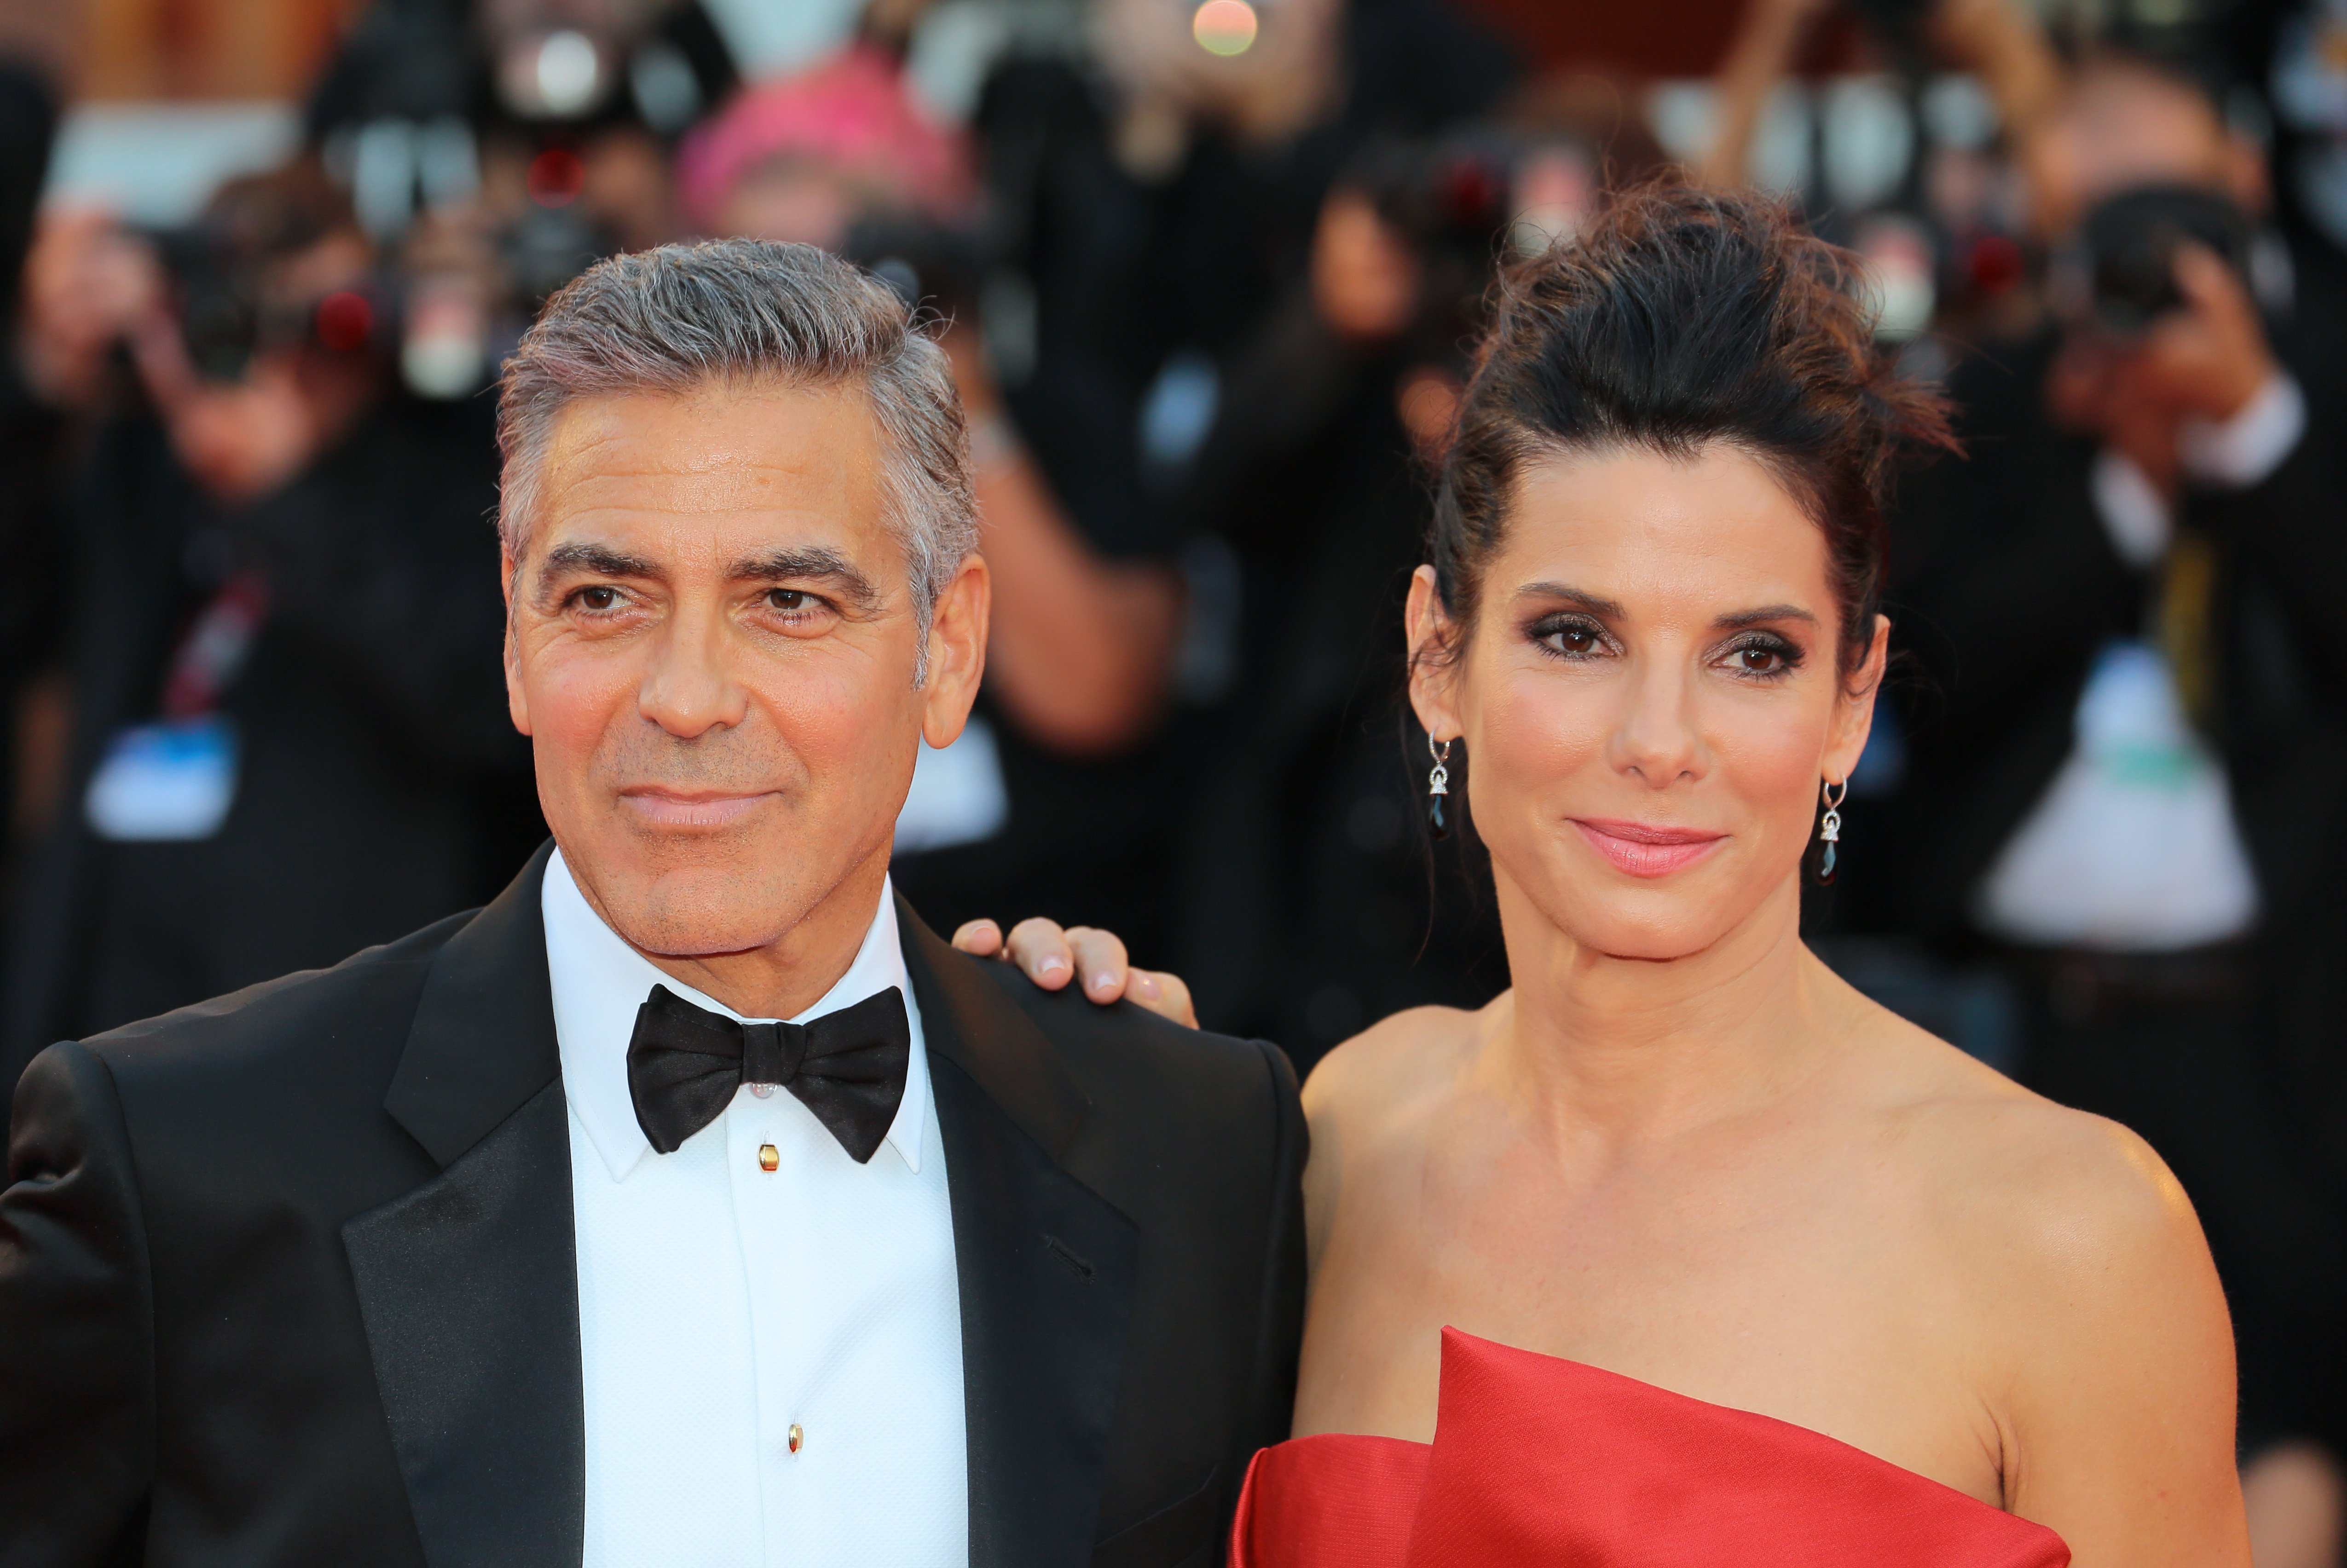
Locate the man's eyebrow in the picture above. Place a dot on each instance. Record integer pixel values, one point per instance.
(600, 560)
(819, 563)
(1762, 616)
(1596, 604)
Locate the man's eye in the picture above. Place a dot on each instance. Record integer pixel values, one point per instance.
(599, 599)
(790, 600)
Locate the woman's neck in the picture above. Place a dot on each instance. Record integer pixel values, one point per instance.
(1628, 1048)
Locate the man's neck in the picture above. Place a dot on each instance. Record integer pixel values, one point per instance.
(784, 977)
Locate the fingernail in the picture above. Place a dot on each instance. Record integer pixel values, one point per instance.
(1145, 985)
(1053, 967)
(1100, 982)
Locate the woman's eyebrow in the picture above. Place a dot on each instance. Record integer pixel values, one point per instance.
(1762, 616)
(1596, 604)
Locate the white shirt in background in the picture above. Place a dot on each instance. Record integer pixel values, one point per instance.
(723, 1306)
(2133, 848)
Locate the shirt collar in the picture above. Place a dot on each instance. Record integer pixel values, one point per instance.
(599, 982)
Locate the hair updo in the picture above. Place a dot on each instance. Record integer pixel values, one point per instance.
(1682, 318)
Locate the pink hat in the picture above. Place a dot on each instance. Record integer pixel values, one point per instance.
(851, 112)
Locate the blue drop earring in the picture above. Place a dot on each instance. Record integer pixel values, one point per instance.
(1438, 786)
(1829, 830)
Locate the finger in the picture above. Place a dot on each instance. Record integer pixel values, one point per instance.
(1041, 947)
(1166, 995)
(980, 938)
(1100, 960)
(2205, 281)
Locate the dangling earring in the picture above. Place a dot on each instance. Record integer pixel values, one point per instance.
(1437, 784)
(1829, 829)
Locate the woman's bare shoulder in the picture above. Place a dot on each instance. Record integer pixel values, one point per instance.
(1399, 1063)
(2102, 1341)
(2065, 1213)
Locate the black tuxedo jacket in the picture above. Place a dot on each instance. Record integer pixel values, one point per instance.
(288, 1277)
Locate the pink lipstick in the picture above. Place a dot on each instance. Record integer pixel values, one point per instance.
(1645, 849)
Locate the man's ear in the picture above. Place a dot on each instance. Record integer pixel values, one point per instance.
(956, 651)
(517, 698)
(1435, 642)
(1854, 714)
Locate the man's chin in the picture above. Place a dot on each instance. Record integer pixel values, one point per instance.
(701, 915)
(698, 897)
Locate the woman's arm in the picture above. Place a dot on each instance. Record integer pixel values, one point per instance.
(2118, 1416)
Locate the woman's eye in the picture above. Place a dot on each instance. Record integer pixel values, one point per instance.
(1574, 637)
(1763, 659)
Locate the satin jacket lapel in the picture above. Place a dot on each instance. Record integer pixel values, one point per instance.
(1046, 1267)
(468, 1284)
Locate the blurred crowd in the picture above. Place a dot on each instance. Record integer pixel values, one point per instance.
(1210, 275)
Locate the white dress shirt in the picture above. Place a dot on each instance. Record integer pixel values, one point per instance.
(771, 1358)
(2134, 848)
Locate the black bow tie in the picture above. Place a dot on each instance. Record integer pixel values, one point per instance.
(684, 1063)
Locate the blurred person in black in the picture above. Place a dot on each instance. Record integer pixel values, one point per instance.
(289, 737)
(1143, 213)
(2127, 764)
(30, 545)
(494, 149)
(1310, 906)
(1162, 200)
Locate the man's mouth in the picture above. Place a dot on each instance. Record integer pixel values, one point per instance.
(661, 807)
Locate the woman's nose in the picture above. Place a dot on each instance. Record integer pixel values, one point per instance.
(1657, 739)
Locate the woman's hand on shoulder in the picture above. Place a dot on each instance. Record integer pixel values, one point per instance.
(1051, 955)
(2121, 1383)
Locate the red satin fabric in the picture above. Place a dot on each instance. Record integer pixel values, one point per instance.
(1540, 1460)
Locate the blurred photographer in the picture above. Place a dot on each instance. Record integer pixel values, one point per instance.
(2128, 765)
(289, 736)
(1310, 906)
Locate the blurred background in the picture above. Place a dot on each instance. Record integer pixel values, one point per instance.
(1210, 273)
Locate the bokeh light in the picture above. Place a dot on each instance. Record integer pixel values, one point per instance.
(1224, 27)
(344, 321)
(555, 176)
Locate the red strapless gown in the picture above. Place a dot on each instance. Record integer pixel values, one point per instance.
(1539, 1460)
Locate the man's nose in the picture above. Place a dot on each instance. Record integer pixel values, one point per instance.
(690, 688)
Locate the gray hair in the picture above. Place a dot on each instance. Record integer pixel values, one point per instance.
(740, 313)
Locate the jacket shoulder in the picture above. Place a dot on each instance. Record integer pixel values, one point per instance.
(367, 994)
(1126, 1056)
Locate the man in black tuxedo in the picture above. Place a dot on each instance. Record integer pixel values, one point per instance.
(497, 1245)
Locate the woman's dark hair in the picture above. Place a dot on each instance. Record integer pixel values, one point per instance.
(1678, 319)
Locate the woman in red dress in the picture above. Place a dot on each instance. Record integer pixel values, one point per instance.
(1856, 1299)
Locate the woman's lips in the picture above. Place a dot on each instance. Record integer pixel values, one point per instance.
(1645, 849)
